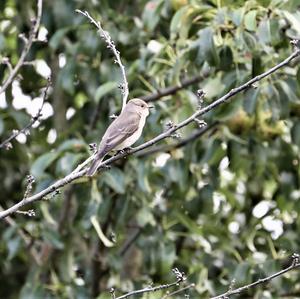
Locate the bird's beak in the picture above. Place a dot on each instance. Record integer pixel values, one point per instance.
(150, 106)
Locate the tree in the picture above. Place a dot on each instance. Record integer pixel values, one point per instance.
(219, 208)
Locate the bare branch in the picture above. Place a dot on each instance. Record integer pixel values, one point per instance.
(28, 43)
(6, 143)
(75, 175)
(26, 238)
(180, 278)
(111, 45)
(192, 285)
(166, 148)
(295, 264)
(160, 93)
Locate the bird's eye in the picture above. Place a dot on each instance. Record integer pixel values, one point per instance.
(143, 106)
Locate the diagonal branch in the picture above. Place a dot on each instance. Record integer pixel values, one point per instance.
(160, 93)
(180, 277)
(75, 175)
(295, 264)
(110, 45)
(166, 148)
(28, 43)
(6, 143)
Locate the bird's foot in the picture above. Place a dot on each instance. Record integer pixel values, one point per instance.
(125, 150)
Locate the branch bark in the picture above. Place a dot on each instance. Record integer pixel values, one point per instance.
(168, 133)
(28, 44)
(160, 93)
(295, 264)
(6, 143)
(111, 45)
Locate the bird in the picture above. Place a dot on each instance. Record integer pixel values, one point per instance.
(123, 132)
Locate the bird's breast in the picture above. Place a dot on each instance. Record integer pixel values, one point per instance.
(134, 137)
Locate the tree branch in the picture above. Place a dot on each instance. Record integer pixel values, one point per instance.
(75, 175)
(26, 238)
(111, 45)
(295, 264)
(180, 278)
(166, 148)
(6, 143)
(160, 93)
(28, 43)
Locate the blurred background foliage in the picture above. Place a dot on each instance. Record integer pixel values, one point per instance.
(226, 206)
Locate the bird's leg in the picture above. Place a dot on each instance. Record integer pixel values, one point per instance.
(124, 151)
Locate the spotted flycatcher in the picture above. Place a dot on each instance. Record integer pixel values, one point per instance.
(123, 132)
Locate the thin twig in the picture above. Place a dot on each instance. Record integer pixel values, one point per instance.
(169, 147)
(111, 45)
(6, 143)
(192, 285)
(160, 93)
(26, 238)
(180, 276)
(28, 43)
(73, 176)
(149, 290)
(295, 264)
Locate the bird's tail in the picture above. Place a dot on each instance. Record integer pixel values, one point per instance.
(95, 164)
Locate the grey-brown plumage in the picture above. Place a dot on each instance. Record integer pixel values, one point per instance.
(123, 132)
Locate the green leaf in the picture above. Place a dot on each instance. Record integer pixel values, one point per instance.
(56, 39)
(1, 126)
(102, 237)
(72, 144)
(145, 216)
(250, 100)
(53, 238)
(241, 274)
(39, 166)
(206, 47)
(226, 58)
(250, 20)
(68, 162)
(294, 20)
(104, 89)
(296, 134)
(13, 246)
(115, 179)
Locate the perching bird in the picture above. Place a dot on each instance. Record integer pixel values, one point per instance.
(123, 132)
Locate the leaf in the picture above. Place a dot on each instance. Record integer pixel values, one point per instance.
(56, 39)
(100, 233)
(287, 89)
(39, 166)
(144, 217)
(72, 144)
(53, 238)
(241, 273)
(191, 225)
(104, 89)
(1, 126)
(250, 20)
(13, 246)
(264, 32)
(226, 58)
(250, 100)
(295, 132)
(115, 179)
(68, 162)
(294, 20)
(206, 47)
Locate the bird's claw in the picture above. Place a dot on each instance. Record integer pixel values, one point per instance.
(125, 150)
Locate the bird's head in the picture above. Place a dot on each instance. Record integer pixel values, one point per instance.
(139, 106)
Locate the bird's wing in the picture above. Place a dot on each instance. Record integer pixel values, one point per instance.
(120, 129)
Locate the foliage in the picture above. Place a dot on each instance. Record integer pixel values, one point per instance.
(223, 207)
